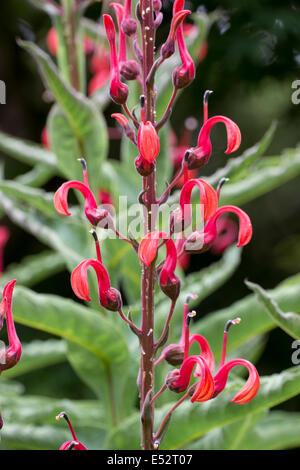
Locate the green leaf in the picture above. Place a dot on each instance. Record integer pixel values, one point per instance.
(227, 437)
(64, 143)
(36, 177)
(191, 421)
(10, 388)
(35, 197)
(262, 180)
(237, 165)
(36, 355)
(27, 437)
(81, 325)
(34, 268)
(289, 322)
(278, 430)
(27, 152)
(68, 236)
(254, 321)
(72, 321)
(35, 410)
(87, 123)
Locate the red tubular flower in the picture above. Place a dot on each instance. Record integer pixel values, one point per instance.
(184, 74)
(148, 142)
(93, 214)
(245, 228)
(123, 121)
(210, 386)
(208, 201)
(119, 11)
(14, 351)
(179, 380)
(118, 90)
(168, 48)
(175, 354)
(74, 444)
(4, 236)
(168, 281)
(199, 156)
(109, 297)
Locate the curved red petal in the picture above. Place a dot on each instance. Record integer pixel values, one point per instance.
(251, 387)
(206, 352)
(79, 282)
(61, 196)
(205, 387)
(245, 226)
(233, 133)
(208, 198)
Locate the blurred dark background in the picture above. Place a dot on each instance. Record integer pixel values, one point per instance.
(252, 59)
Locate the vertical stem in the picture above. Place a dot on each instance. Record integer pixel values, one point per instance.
(69, 18)
(148, 274)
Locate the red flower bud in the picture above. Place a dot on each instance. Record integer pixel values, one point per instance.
(130, 69)
(148, 141)
(168, 48)
(118, 90)
(143, 167)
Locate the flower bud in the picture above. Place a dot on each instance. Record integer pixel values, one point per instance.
(112, 300)
(148, 141)
(170, 378)
(174, 355)
(172, 288)
(157, 5)
(143, 167)
(129, 70)
(129, 26)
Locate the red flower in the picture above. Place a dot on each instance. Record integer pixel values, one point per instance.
(176, 353)
(118, 90)
(210, 386)
(13, 352)
(199, 156)
(168, 48)
(168, 281)
(148, 142)
(181, 218)
(200, 241)
(184, 74)
(93, 214)
(74, 444)
(109, 297)
(245, 228)
(4, 236)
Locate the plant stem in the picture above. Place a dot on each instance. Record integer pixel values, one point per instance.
(148, 274)
(70, 38)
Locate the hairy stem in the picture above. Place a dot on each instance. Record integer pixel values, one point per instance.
(148, 274)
